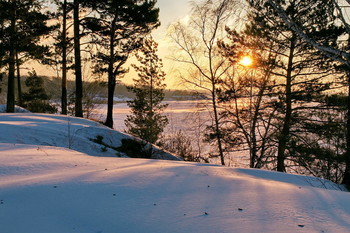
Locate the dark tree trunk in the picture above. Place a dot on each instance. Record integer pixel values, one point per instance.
(77, 66)
(19, 85)
(10, 107)
(346, 179)
(110, 102)
(284, 135)
(64, 60)
(254, 147)
(217, 125)
(111, 78)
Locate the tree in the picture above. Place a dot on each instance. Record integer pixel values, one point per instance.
(248, 114)
(301, 66)
(36, 100)
(23, 24)
(196, 41)
(147, 121)
(64, 59)
(117, 28)
(319, 151)
(77, 61)
(338, 52)
(10, 107)
(61, 48)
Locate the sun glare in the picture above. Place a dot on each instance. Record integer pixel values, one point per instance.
(246, 61)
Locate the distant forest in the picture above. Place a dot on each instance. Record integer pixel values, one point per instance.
(96, 88)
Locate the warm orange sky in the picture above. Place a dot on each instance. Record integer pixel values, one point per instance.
(170, 11)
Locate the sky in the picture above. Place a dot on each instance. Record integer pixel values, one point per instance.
(170, 12)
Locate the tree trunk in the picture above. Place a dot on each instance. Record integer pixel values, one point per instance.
(64, 60)
(254, 146)
(19, 85)
(110, 101)
(346, 179)
(217, 126)
(151, 126)
(111, 79)
(284, 136)
(10, 107)
(77, 66)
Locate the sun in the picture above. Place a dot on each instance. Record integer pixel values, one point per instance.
(246, 61)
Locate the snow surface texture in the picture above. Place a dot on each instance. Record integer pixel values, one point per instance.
(64, 131)
(53, 190)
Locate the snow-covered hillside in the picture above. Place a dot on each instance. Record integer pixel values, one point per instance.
(46, 189)
(64, 131)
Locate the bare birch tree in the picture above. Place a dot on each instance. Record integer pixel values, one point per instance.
(249, 112)
(197, 43)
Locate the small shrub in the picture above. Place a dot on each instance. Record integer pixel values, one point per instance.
(135, 148)
(98, 140)
(179, 144)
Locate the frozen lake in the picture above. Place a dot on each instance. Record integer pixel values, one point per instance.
(191, 117)
(182, 115)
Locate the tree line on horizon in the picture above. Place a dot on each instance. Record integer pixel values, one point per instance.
(289, 109)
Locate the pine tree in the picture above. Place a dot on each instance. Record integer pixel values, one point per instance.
(77, 61)
(61, 48)
(22, 25)
(147, 121)
(64, 103)
(117, 30)
(339, 52)
(302, 68)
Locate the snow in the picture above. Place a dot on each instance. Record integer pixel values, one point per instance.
(17, 109)
(52, 189)
(63, 131)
